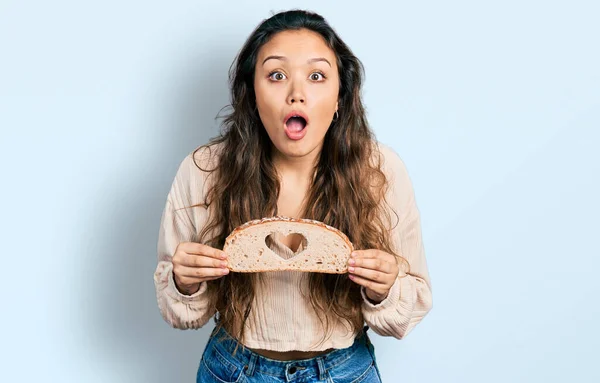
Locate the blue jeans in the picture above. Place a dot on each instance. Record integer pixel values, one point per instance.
(350, 365)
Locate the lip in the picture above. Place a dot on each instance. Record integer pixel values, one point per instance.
(295, 113)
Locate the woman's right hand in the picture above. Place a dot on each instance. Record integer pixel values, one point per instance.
(194, 263)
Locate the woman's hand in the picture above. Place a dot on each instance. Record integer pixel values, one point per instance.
(194, 263)
(376, 270)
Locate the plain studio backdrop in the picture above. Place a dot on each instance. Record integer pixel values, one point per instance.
(493, 105)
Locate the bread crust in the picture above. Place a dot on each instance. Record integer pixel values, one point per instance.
(304, 221)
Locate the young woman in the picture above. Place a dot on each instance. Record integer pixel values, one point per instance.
(296, 144)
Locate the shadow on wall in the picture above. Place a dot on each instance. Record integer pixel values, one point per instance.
(125, 328)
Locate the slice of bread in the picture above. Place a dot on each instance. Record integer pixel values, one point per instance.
(327, 249)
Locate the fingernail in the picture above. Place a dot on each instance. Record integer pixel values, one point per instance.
(223, 264)
(225, 271)
(352, 262)
(351, 269)
(351, 276)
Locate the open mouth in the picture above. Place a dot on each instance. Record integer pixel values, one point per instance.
(295, 124)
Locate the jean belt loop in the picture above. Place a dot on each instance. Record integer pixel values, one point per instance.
(322, 370)
(251, 365)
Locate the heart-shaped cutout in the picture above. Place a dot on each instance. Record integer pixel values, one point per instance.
(291, 241)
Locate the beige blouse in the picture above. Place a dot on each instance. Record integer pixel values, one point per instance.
(281, 318)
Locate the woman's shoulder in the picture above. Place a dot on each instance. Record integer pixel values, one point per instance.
(206, 157)
(390, 160)
(194, 172)
(201, 161)
(400, 192)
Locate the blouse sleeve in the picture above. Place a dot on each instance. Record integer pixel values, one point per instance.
(180, 224)
(410, 298)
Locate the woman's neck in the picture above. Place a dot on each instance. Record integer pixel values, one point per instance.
(298, 168)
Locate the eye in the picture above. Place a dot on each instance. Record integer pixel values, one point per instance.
(276, 76)
(317, 76)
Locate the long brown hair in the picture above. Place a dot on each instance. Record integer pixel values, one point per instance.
(347, 191)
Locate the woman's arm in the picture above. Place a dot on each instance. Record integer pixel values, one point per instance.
(409, 298)
(179, 225)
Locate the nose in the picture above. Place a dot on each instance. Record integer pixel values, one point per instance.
(296, 94)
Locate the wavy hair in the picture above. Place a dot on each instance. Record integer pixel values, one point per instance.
(347, 189)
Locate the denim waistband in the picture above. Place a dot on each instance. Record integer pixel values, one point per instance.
(251, 361)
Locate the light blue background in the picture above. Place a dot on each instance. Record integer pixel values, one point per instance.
(494, 106)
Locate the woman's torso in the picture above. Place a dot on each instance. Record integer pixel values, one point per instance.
(290, 204)
(293, 242)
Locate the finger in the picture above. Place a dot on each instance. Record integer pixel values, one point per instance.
(369, 253)
(372, 275)
(201, 249)
(194, 260)
(201, 272)
(189, 281)
(377, 264)
(372, 253)
(211, 278)
(371, 285)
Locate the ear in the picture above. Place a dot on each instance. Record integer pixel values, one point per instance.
(336, 105)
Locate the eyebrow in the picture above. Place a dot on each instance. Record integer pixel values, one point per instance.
(283, 58)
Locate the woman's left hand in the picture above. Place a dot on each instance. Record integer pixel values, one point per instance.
(376, 270)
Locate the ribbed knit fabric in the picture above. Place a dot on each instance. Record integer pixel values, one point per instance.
(282, 318)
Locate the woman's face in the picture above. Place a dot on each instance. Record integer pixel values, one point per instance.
(296, 74)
